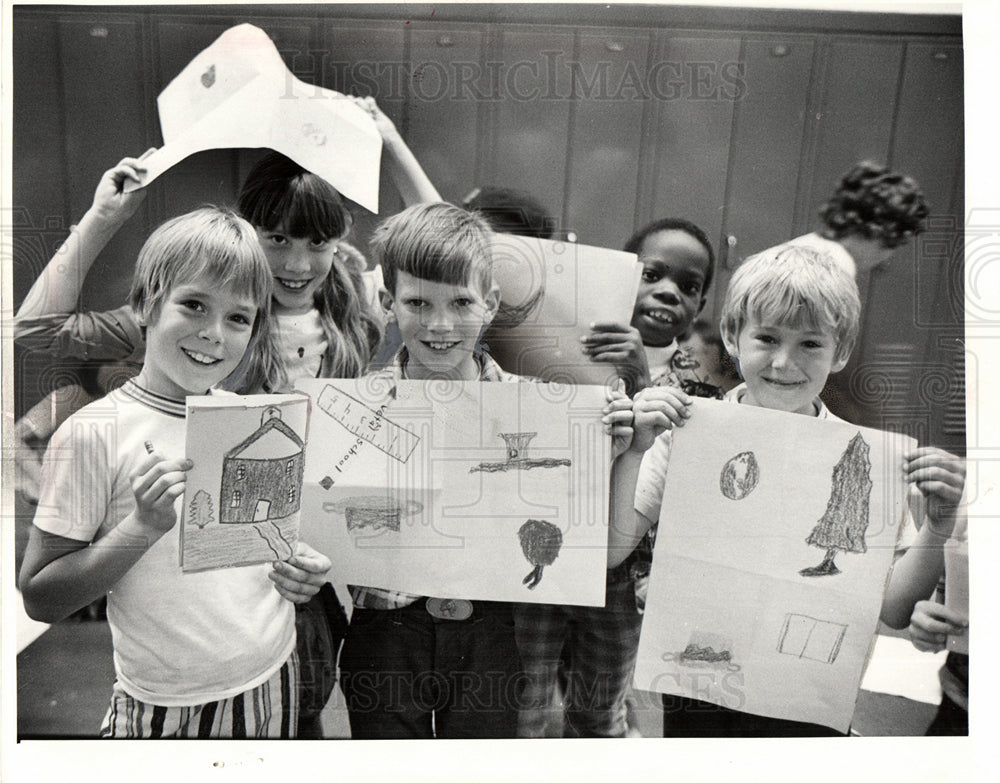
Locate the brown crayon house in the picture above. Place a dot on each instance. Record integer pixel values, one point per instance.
(262, 475)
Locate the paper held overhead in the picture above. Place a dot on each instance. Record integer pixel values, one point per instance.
(239, 93)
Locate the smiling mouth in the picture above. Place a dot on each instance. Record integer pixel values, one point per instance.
(661, 316)
(775, 382)
(201, 358)
(293, 285)
(439, 345)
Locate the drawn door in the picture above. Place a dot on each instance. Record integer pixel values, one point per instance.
(260, 513)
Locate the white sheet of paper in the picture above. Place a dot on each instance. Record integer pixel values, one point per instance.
(421, 492)
(243, 495)
(956, 587)
(898, 668)
(239, 93)
(729, 618)
(559, 289)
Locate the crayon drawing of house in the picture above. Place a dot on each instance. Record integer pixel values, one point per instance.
(262, 475)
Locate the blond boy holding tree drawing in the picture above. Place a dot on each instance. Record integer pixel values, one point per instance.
(790, 319)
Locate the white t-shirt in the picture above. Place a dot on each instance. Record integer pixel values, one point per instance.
(179, 639)
(303, 342)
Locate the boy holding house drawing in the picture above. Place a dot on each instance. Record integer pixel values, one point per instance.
(790, 318)
(208, 654)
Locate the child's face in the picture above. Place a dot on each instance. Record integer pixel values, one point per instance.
(785, 367)
(196, 338)
(299, 265)
(674, 266)
(440, 324)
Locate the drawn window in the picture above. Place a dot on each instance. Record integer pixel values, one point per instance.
(241, 472)
(289, 467)
(237, 499)
(291, 494)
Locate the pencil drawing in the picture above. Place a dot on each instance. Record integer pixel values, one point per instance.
(517, 456)
(540, 542)
(807, 637)
(843, 524)
(373, 512)
(739, 476)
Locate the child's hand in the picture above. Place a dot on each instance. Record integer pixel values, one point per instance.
(931, 623)
(618, 419)
(940, 477)
(156, 484)
(111, 202)
(386, 128)
(301, 576)
(656, 410)
(620, 345)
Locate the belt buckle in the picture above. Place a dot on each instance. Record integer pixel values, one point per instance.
(449, 608)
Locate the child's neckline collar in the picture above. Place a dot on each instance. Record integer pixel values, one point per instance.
(160, 402)
(660, 354)
(740, 392)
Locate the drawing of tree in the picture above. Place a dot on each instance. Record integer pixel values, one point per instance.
(540, 542)
(843, 524)
(201, 509)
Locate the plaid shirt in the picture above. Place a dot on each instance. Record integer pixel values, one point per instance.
(489, 371)
(681, 371)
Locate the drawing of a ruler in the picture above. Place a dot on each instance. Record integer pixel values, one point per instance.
(367, 423)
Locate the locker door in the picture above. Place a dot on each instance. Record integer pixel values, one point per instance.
(766, 149)
(854, 116)
(368, 58)
(855, 107)
(40, 216)
(691, 132)
(105, 110)
(610, 95)
(923, 285)
(446, 76)
(532, 124)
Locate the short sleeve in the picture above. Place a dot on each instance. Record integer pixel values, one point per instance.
(652, 478)
(77, 480)
(112, 335)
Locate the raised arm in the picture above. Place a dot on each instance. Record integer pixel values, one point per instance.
(636, 495)
(940, 477)
(58, 286)
(405, 171)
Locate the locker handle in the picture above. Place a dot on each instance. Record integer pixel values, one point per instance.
(727, 249)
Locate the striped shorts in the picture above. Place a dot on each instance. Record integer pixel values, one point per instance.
(268, 711)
